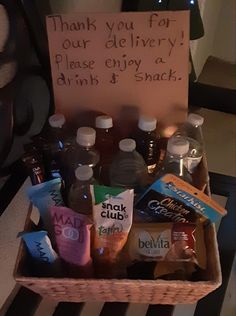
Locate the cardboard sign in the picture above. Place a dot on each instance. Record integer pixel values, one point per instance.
(106, 61)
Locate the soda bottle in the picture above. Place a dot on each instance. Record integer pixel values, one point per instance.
(174, 162)
(192, 131)
(80, 198)
(128, 169)
(33, 162)
(106, 145)
(147, 141)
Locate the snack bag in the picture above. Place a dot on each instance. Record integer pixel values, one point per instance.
(43, 196)
(182, 193)
(162, 242)
(157, 207)
(112, 215)
(72, 235)
(45, 261)
(39, 246)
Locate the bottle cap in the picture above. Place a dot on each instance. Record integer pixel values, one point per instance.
(84, 173)
(178, 145)
(195, 119)
(103, 121)
(147, 123)
(86, 136)
(56, 120)
(127, 145)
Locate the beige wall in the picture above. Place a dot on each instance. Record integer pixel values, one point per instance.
(224, 45)
(219, 19)
(201, 49)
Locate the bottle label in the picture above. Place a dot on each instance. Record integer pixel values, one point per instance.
(191, 163)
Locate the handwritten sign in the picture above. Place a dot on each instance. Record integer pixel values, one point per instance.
(103, 61)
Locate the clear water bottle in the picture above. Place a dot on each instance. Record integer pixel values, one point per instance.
(80, 198)
(174, 162)
(54, 145)
(106, 145)
(192, 131)
(128, 169)
(82, 153)
(147, 141)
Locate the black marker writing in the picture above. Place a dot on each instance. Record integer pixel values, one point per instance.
(169, 75)
(119, 26)
(114, 78)
(61, 25)
(155, 21)
(79, 43)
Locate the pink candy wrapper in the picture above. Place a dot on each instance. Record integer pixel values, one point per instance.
(72, 234)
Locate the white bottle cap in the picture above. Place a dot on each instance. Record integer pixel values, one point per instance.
(86, 136)
(127, 145)
(84, 173)
(147, 123)
(56, 120)
(103, 121)
(178, 145)
(195, 119)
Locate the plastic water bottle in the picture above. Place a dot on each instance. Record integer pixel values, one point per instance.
(128, 169)
(54, 146)
(147, 141)
(82, 153)
(192, 130)
(106, 145)
(80, 198)
(174, 162)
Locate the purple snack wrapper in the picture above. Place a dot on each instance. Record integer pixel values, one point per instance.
(72, 235)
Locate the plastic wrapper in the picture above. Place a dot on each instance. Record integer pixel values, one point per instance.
(43, 196)
(112, 215)
(39, 246)
(163, 242)
(185, 194)
(157, 207)
(72, 235)
(44, 260)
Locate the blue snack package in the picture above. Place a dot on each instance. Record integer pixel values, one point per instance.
(43, 196)
(39, 246)
(172, 186)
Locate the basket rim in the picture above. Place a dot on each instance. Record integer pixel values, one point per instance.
(116, 281)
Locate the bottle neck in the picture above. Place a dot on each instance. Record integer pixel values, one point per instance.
(172, 156)
(177, 161)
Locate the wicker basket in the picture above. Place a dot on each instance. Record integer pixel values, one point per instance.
(135, 291)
